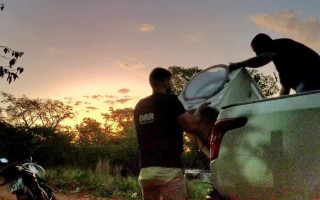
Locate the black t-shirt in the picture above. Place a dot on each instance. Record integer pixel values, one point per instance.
(295, 63)
(160, 137)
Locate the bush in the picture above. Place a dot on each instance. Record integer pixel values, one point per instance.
(99, 184)
(102, 184)
(197, 189)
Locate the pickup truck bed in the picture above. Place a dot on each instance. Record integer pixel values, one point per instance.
(276, 155)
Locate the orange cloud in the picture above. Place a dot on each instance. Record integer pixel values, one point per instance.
(109, 101)
(97, 97)
(147, 28)
(110, 96)
(91, 108)
(287, 22)
(124, 100)
(124, 90)
(68, 98)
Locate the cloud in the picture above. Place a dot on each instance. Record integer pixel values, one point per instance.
(124, 90)
(111, 96)
(147, 28)
(129, 62)
(78, 103)
(68, 98)
(130, 65)
(91, 108)
(109, 101)
(289, 23)
(97, 97)
(124, 100)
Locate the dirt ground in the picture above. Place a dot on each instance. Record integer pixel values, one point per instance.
(6, 195)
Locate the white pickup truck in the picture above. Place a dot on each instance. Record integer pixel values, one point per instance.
(259, 148)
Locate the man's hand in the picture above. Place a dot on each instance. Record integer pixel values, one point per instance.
(203, 106)
(190, 122)
(235, 66)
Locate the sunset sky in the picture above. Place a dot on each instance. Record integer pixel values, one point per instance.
(94, 54)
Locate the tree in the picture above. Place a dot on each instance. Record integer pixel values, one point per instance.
(181, 76)
(267, 84)
(28, 112)
(118, 120)
(12, 55)
(53, 112)
(90, 132)
(22, 111)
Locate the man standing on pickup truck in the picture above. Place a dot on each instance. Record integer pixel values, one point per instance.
(160, 120)
(298, 65)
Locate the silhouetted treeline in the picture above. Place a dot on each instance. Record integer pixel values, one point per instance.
(58, 150)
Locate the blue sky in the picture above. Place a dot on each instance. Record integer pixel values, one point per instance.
(89, 51)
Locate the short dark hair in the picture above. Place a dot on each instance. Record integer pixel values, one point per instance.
(159, 75)
(261, 41)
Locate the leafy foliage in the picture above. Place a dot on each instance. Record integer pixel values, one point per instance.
(12, 55)
(114, 141)
(105, 184)
(55, 146)
(16, 143)
(118, 120)
(181, 76)
(28, 112)
(267, 84)
(90, 132)
(22, 111)
(97, 183)
(12, 142)
(53, 112)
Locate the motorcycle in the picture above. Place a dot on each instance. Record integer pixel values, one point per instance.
(26, 180)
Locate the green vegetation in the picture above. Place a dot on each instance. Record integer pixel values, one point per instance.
(107, 182)
(197, 189)
(268, 84)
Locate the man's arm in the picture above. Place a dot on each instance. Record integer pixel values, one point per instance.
(254, 62)
(190, 122)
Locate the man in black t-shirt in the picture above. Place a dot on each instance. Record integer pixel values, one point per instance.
(160, 120)
(298, 65)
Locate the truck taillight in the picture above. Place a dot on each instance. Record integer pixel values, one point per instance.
(218, 131)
